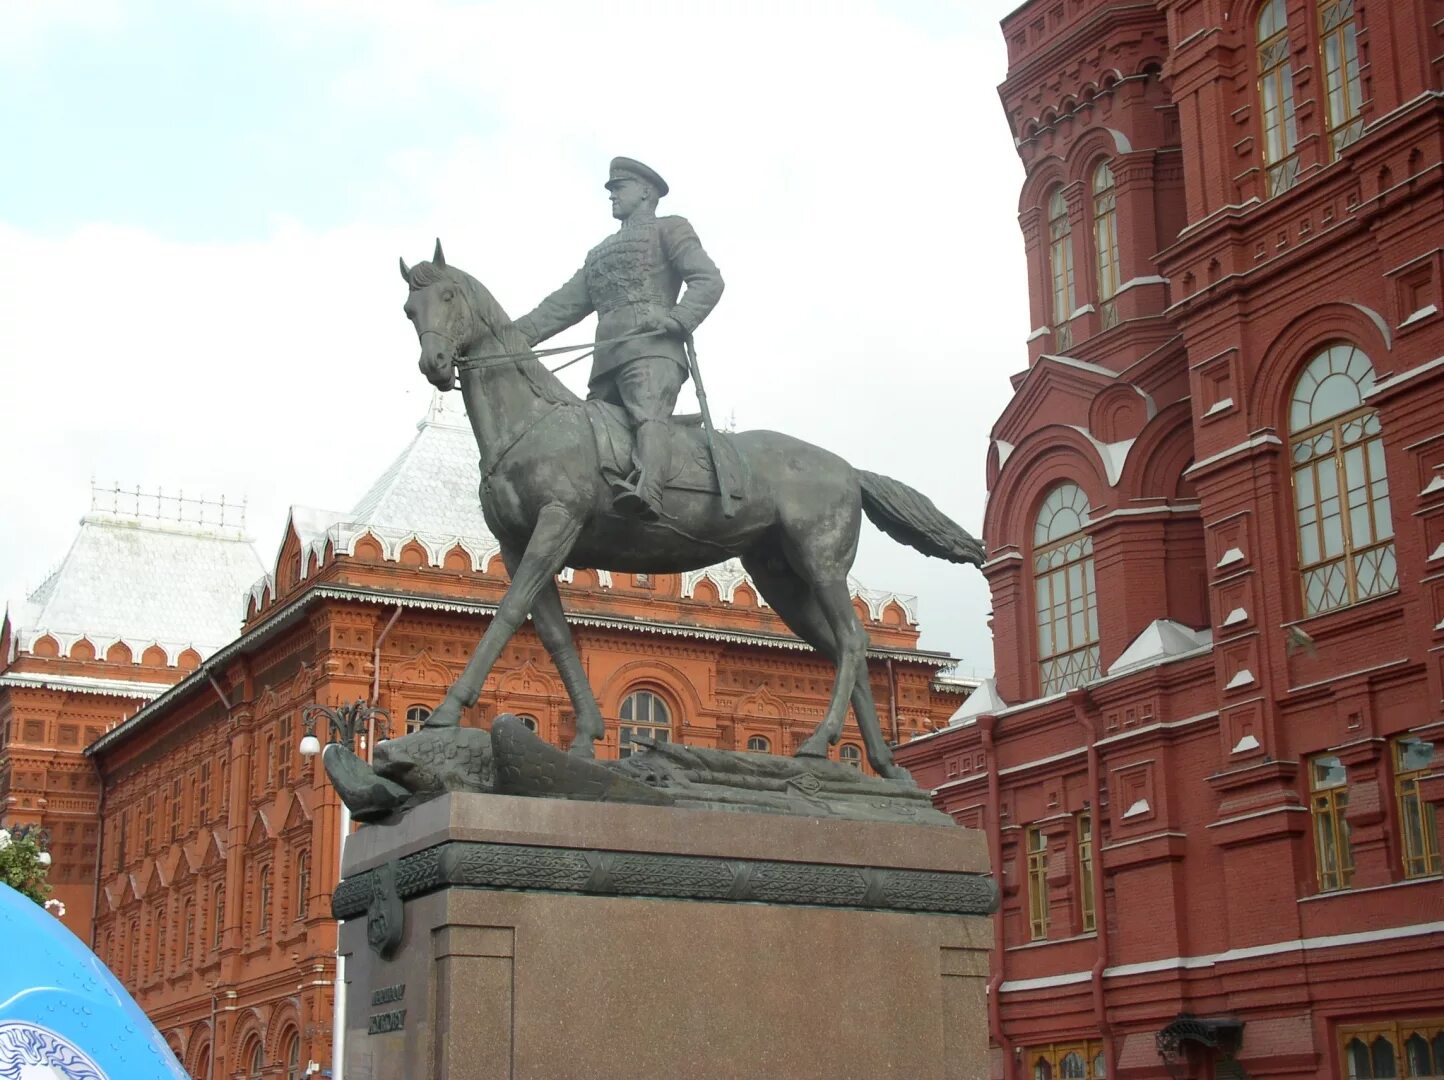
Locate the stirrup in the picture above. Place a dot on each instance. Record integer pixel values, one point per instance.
(633, 504)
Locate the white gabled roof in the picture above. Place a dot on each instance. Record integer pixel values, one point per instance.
(143, 581)
(1161, 640)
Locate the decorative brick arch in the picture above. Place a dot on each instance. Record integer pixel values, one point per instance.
(1164, 448)
(1045, 174)
(661, 678)
(285, 1019)
(1288, 354)
(1049, 456)
(251, 1029)
(1097, 144)
(45, 645)
(197, 1047)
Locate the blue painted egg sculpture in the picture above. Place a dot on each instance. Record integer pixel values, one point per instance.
(63, 1015)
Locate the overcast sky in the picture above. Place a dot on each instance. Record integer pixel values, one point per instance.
(201, 207)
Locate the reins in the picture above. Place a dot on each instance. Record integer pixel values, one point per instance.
(476, 363)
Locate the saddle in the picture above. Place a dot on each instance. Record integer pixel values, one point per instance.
(690, 465)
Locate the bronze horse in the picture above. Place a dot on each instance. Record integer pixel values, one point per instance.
(545, 498)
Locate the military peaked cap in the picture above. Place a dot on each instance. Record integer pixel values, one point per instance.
(625, 168)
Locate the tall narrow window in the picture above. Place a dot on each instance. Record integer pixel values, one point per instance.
(218, 915)
(1105, 242)
(1343, 90)
(162, 939)
(1060, 267)
(189, 924)
(177, 810)
(1328, 800)
(292, 1044)
(644, 715)
(1420, 842)
(1341, 490)
(285, 748)
(303, 883)
(203, 810)
(1276, 98)
(1066, 595)
(264, 897)
(1088, 918)
(1037, 847)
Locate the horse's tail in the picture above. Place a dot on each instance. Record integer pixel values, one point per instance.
(910, 517)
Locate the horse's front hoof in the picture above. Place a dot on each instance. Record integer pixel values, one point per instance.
(447, 714)
(893, 771)
(582, 747)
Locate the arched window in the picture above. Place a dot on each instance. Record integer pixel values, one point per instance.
(1105, 241)
(264, 897)
(416, 716)
(303, 883)
(190, 928)
(1066, 595)
(1060, 267)
(850, 754)
(643, 713)
(255, 1059)
(1276, 98)
(203, 1062)
(1341, 491)
(291, 1054)
(758, 745)
(1343, 91)
(528, 721)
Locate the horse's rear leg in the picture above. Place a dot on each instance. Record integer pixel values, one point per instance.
(796, 602)
(556, 635)
(551, 542)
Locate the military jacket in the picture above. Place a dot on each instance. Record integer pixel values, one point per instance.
(634, 275)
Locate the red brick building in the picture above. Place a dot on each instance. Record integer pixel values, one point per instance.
(168, 774)
(1215, 523)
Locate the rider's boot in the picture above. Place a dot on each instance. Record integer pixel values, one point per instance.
(653, 448)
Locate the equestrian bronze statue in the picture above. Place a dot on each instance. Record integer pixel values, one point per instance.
(546, 458)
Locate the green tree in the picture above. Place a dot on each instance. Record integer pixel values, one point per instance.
(24, 862)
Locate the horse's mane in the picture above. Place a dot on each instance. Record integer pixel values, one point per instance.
(491, 315)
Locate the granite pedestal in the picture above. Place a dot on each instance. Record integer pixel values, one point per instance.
(489, 936)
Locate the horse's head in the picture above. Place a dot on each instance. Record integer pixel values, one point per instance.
(441, 308)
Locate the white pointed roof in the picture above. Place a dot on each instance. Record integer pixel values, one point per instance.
(983, 700)
(1161, 640)
(143, 581)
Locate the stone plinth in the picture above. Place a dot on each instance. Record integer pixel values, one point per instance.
(545, 939)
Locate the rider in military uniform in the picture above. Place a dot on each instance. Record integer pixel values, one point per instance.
(632, 280)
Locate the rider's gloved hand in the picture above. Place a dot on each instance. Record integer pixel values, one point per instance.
(666, 324)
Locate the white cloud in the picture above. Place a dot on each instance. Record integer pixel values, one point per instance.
(850, 172)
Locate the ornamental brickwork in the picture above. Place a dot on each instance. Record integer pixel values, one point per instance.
(1207, 762)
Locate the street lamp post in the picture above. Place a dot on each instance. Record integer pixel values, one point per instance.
(343, 725)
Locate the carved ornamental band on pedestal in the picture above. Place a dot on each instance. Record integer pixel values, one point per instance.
(462, 864)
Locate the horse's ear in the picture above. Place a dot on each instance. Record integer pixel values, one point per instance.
(438, 258)
(405, 271)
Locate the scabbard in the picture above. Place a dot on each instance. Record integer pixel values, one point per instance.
(727, 508)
